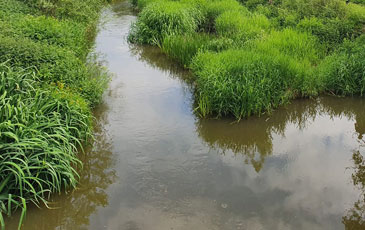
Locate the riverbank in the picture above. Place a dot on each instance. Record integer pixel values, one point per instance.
(249, 57)
(49, 84)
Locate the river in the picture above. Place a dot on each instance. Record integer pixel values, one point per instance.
(156, 165)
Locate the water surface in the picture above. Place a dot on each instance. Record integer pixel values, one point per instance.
(156, 165)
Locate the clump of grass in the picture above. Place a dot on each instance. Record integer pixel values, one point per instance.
(361, 2)
(245, 82)
(10, 7)
(47, 87)
(299, 45)
(184, 47)
(66, 34)
(140, 4)
(54, 64)
(317, 8)
(273, 50)
(213, 9)
(343, 72)
(41, 130)
(85, 11)
(238, 26)
(161, 19)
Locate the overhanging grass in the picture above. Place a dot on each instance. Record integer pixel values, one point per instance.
(47, 88)
(41, 130)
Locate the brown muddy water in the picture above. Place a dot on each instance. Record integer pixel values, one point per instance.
(157, 166)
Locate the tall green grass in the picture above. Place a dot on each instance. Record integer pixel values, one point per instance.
(48, 84)
(343, 72)
(54, 64)
(251, 61)
(242, 27)
(183, 48)
(161, 19)
(41, 130)
(246, 82)
(299, 45)
(213, 9)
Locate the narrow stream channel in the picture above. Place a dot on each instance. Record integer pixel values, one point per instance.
(157, 166)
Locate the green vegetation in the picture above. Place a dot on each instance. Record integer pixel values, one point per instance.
(163, 18)
(184, 47)
(48, 86)
(251, 56)
(343, 72)
(241, 27)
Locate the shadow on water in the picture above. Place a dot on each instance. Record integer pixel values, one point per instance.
(73, 209)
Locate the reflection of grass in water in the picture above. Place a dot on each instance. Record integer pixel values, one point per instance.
(72, 211)
(352, 108)
(355, 217)
(154, 57)
(252, 137)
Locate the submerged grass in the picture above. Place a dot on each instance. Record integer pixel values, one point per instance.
(48, 85)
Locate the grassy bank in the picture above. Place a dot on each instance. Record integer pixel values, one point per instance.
(48, 87)
(251, 56)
